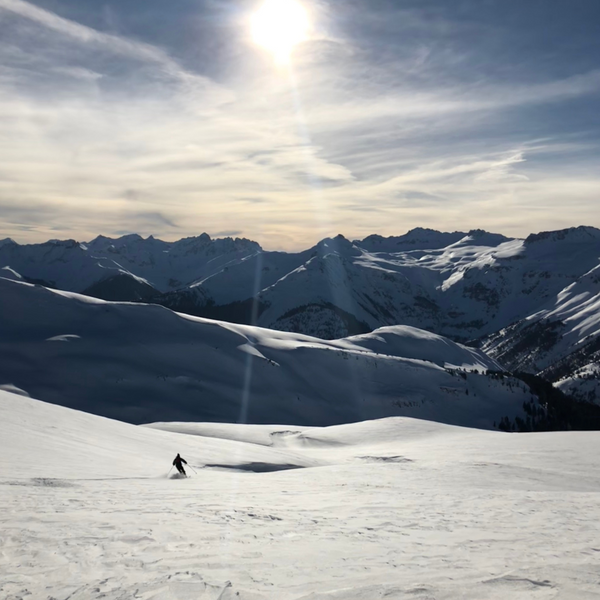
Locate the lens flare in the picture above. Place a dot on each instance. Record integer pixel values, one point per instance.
(278, 26)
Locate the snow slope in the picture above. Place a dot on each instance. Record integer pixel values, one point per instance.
(394, 509)
(142, 363)
(561, 341)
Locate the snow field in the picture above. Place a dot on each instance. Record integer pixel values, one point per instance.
(395, 508)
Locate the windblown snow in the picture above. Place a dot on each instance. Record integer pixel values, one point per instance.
(394, 508)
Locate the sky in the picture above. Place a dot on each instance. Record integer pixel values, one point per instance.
(167, 118)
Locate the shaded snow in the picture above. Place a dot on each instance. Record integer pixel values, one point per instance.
(9, 273)
(144, 363)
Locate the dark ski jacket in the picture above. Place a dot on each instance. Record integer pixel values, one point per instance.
(178, 460)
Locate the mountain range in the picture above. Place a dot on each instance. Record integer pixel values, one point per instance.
(531, 304)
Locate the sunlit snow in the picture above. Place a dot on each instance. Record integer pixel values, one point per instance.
(392, 509)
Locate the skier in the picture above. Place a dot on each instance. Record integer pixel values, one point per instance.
(177, 462)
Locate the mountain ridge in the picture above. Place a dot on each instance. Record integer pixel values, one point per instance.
(467, 286)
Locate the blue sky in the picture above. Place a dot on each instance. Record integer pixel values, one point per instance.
(165, 118)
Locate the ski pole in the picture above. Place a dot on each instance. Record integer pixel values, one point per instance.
(170, 470)
(192, 468)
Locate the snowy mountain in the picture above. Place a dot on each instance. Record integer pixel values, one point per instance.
(462, 285)
(560, 342)
(424, 239)
(465, 286)
(395, 508)
(142, 363)
(104, 265)
(475, 285)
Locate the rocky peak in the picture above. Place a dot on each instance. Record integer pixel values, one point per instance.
(581, 234)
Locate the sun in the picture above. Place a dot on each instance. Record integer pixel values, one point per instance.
(278, 25)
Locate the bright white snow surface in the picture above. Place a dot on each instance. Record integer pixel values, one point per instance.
(394, 509)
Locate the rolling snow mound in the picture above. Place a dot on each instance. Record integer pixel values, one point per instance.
(143, 363)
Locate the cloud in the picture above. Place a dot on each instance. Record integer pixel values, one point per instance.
(77, 72)
(90, 36)
(254, 200)
(228, 233)
(98, 129)
(15, 214)
(149, 221)
(95, 45)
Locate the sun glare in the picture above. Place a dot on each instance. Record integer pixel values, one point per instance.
(278, 25)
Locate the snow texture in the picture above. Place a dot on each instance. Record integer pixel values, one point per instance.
(396, 508)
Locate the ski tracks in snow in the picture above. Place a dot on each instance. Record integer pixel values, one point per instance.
(348, 533)
(397, 509)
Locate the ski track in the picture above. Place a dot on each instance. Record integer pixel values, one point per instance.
(282, 538)
(394, 509)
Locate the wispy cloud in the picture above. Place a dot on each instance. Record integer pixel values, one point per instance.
(97, 128)
(91, 36)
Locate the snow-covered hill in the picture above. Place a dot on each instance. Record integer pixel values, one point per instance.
(144, 363)
(395, 508)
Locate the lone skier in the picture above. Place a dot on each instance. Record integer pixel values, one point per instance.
(177, 462)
